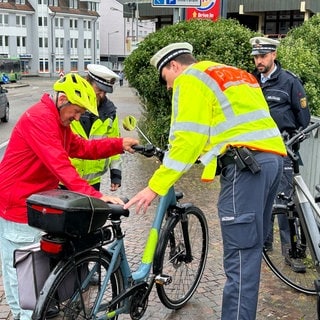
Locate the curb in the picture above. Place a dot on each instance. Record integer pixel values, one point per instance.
(15, 85)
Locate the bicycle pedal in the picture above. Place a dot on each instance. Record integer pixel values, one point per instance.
(163, 279)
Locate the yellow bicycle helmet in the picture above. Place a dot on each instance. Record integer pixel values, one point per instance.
(78, 91)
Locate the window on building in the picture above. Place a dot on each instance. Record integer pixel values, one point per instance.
(74, 43)
(42, 21)
(73, 23)
(53, 3)
(278, 23)
(43, 65)
(74, 65)
(93, 6)
(58, 22)
(4, 19)
(59, 65)
(21, 21)
(85, 64)
(3, 0)
(43, 42)
(20, 1)
(87, 44)
(4, 41)
(21, 41)
(86, 24)
(59, 42)
(73, 4)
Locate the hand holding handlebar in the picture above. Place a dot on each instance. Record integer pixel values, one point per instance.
(128, 143)
(149, 150)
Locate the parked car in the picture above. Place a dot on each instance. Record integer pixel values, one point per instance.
(4, 105)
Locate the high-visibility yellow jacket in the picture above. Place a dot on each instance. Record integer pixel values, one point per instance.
(105, 126)
(214, 106)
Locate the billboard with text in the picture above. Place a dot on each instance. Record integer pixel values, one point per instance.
(209, 9)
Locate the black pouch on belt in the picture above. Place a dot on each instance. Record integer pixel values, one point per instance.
(248, 159)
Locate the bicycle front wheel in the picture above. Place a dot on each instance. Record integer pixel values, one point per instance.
(74, 293)
(173, 258)
(300, 281)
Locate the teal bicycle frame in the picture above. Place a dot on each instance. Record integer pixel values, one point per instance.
(134, 280)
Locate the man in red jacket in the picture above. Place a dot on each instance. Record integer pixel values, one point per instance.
(37, 158)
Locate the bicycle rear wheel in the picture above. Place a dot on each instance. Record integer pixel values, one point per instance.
(171, 258)
(302, 282)
(75, 290)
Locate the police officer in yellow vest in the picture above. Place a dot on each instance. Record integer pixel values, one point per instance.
(219, 114)
(105, 125)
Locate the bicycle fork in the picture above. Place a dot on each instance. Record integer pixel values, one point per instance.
(297, 239)
(180, 250)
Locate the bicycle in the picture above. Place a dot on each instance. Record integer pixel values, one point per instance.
(94, 264)
(303, 215)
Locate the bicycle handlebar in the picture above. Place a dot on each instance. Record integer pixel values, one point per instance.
(299, 137)
(302, 135)
(149, 150)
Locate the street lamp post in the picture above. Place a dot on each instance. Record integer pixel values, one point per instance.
(124, 28)
(110, 33)
(52, 15)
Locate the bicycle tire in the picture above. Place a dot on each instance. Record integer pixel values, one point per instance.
(86, 274)
(169, 258)
(302, 282)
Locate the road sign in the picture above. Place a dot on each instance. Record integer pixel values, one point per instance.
(176, 3)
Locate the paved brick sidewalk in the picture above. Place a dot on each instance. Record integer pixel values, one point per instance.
(276, 300)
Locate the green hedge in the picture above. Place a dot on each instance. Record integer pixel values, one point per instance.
(299, 52)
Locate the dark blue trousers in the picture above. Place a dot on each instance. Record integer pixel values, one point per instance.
(244, 206)
(286, 187)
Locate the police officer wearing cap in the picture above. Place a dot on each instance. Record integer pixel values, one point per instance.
(216, 117)
(96, 127)
(288, 106)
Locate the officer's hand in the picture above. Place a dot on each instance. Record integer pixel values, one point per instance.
(114, 186)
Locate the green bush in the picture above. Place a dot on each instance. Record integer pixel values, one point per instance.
(224, 41)
(299, 52)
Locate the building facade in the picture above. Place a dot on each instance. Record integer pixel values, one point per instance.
(272, 18)
(50, 36)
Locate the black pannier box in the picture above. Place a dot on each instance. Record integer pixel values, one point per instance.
(66, 212)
